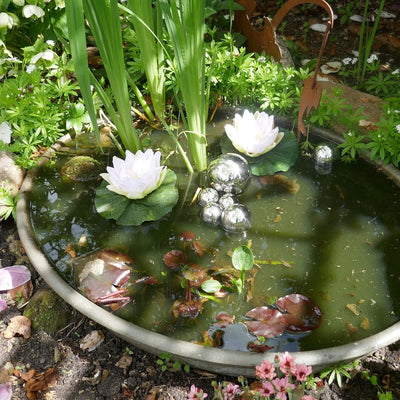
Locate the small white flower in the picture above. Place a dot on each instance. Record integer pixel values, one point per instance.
(6, 21)
(30, 68)
(30, 10)
(398, 128)
(50, 42)
(136, 176)
(318, 27)
(396, 71)
(347, 60)
(5, 132)
(253, 134)
(12, 59)
(45, 55)
(372, 58)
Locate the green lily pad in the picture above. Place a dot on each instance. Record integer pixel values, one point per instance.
(279, 159)
(128, 212)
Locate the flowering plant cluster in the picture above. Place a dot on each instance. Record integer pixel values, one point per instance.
(283, 380)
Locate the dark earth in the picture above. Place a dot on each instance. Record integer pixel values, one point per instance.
(117, 370)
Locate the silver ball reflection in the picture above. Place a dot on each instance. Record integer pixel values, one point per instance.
(211, 213)
(324, 157)
(226, 200)
(229, 173)
(208, 195)
(236, 218)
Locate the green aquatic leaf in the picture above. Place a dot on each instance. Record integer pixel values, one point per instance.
(280, 159)
(242, 258)
(127, 212)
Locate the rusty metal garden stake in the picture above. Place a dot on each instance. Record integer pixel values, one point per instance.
(265, 41)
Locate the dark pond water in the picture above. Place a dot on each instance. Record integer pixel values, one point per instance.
(338, 238)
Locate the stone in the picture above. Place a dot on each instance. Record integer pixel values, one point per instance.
(48, 312)
(11, 175)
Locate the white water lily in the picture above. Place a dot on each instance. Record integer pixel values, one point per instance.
(253, 134)
(136, 176)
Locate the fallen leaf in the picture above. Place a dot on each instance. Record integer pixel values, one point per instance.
(124, 362)
(37, 383)
(19, 325)
(92, 340)
(353, 308)
(365, 324)
(70, 250)
(352, 329)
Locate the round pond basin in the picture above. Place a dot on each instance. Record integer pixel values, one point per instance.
(332, 237)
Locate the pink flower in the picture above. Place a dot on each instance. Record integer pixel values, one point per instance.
(281, 387)
(266, 370)
(267, 389)
(308, 397)
(230, 391)
(301, 371)
(286, 363)
(196, 393)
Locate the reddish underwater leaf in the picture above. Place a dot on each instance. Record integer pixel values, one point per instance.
(175, 259)
(301, 314)
(224, 319)
(105, 274)
(187, 236)
(259, 347)
(269, 322)
(195, 274)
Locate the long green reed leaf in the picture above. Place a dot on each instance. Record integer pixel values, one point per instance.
(77, 38)
(185, 24)
(147, 23)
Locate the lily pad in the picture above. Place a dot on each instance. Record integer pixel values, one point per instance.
(280, 159)
(269, 322)
(128, 212)
(301, 314)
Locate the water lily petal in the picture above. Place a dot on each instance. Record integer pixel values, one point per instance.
(136, 176)
(253, 134)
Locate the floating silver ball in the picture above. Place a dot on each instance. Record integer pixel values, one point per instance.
(226, 200)
(208, 195)
(324, 156)
(229, 173)
(236, 218)
(211, 213)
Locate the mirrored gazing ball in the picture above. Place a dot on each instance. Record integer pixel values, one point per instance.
(211, 213)
(226, 200)
(229, 173)
(207, 195)
(236, 218)
(324, 157)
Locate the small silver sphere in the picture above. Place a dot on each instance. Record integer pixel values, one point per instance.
(226, 200)
(211, 213)
(229, 173)
(207, 195)
(324, 157)
(236, 218)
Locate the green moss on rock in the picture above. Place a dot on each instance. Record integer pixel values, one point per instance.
(47, 311)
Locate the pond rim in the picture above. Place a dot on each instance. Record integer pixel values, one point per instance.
(226, 362)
